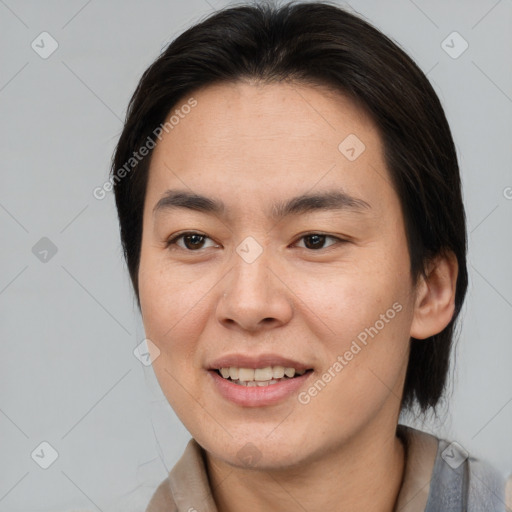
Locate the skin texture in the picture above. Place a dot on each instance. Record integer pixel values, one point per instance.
(251, 145)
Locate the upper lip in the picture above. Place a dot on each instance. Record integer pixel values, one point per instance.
(260, 361)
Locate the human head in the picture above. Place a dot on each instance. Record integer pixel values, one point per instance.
(318, 44)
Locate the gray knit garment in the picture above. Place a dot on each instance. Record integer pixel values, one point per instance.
(461, 483)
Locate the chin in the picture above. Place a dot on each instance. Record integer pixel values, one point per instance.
(256, 450)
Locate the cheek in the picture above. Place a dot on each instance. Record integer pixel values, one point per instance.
(364, 363)
(174, 307)
(347, 298)
(368, 327)
(362, 312)
(171, 310)
(165, 294)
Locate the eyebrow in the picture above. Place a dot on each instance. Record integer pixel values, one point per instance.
(305, 203)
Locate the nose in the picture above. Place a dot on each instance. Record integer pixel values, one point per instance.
(254, 297)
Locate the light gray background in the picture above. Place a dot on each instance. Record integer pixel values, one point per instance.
(69, 326)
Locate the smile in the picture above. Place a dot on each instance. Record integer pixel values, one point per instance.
(260, 377)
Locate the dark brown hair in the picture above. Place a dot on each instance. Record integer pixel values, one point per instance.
(318, 44)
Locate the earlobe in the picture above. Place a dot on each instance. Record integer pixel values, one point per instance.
(435, 297)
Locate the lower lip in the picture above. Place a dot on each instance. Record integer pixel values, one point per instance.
(258, 396)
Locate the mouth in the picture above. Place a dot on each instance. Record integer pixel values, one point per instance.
(260, 377)
(259, 380)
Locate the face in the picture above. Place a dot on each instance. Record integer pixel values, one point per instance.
(294, 256)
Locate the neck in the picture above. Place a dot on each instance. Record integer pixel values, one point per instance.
(363, 474)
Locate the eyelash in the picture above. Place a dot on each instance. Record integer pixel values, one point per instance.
(173, 240)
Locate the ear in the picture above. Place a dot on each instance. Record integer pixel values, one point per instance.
(435, 297)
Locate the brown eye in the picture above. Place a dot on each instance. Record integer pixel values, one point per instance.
(191, 241)
(316, 241)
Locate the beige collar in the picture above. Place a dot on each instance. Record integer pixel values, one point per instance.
(421, 451)
(187, 489)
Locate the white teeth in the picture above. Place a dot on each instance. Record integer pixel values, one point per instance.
(245, 374)
(260, 376)
(278, 372)
(263, 373)
(289, 372)
(254, 383)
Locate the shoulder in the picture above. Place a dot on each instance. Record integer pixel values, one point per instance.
(442, 475)
(162, 499)
(460, 479)
(186, 488)
(486, 490)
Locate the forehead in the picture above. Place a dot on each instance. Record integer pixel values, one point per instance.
(284, 138)
(235, 112)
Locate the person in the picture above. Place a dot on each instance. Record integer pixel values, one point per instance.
(290, 210)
